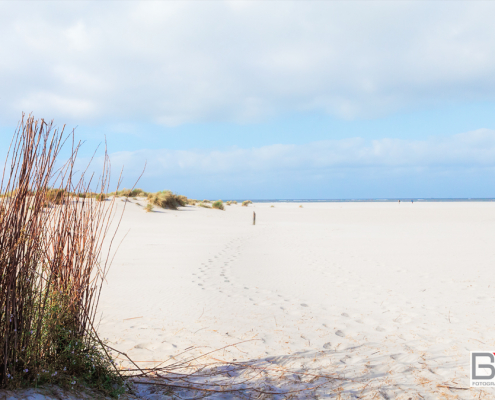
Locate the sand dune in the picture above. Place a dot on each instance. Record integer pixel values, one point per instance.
(390, 298)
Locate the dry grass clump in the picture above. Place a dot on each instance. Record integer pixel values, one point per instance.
(272, 206)
(50, 269)
(149, 207)
(129, 193)
(204, 205)
(138, 193)
(218, 205)
(167, 199)
(100, 197)
(192, 202)
(234, 202)
(246, 203)
(301, 206)
(206, 201)
(56, 196)
(228, 203)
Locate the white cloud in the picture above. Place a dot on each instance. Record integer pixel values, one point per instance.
(176, 62)
(475, 150)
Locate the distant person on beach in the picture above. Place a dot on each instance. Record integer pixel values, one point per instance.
(399, 201)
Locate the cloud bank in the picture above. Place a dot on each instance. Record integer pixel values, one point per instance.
(178, 62)
(325, 169)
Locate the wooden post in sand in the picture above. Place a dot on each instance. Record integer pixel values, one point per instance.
(254, 218)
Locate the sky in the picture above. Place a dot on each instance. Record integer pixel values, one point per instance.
(263, 99)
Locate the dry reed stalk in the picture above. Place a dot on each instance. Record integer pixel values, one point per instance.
(50, 257)
(247, 378)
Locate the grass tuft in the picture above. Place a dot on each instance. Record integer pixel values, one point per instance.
(218, 205)
(100, 197)
(167, 199)
(246, 203)
(56, 196)
(149, 207)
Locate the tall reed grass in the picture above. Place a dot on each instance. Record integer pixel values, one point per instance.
(51, 265)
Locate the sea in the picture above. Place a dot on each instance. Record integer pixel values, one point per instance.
(385, 200)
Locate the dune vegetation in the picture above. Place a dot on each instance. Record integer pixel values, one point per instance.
(246, 203)
(167, 199)
(218, 205)
(129, 193)
(51, 268)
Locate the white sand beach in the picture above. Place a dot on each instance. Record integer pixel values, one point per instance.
(388, 297)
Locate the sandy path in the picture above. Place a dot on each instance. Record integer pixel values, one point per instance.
(389, 296)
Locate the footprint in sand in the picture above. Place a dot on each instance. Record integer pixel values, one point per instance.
(327, 346)
(340, 333)
(304, 305)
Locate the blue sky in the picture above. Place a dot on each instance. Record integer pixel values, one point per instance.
(262, 99)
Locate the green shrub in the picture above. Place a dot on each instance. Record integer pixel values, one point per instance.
(218, 205)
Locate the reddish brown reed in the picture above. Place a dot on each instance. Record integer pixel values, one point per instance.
(50, 268)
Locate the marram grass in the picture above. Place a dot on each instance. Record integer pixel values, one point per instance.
(218, 205)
